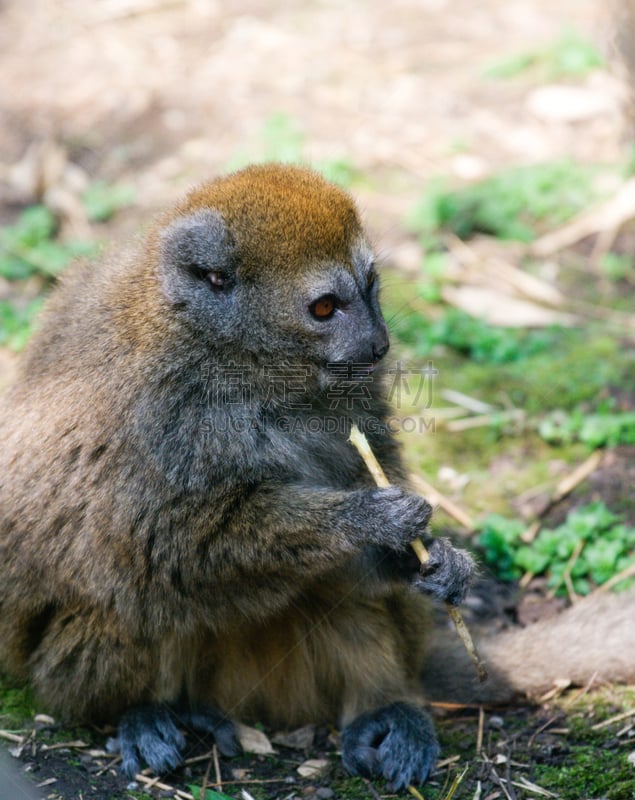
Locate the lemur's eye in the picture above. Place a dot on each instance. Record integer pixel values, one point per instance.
(219, 280)
(324, 307)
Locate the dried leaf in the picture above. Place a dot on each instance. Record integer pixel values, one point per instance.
(44, 719)
(254, 741)
(313, 767)
(300, 739)
(497, 308)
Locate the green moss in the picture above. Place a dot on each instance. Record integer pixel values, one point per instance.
(16, 703)
(589, 771)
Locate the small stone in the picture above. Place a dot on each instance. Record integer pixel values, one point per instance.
(496, 722)
(324, 793)
(312, 767)
(300, 739)
(44, 719)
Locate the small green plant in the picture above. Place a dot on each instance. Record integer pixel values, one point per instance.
(101, 200)
(498, 538)
(592, 545)
(283, 140)
(601, 429)
(617, 266)
(511, 205)
(570, 55)
(29, 247)
(208, 794)
(16, 703)
(16, 321)
(473, 338)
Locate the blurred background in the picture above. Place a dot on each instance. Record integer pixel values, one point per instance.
(490, 148)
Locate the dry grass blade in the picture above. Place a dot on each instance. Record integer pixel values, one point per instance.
(164, 787)
(435, 497)
(627, 572)
(12, 737)
(607, 216)
(617, 718)
(455, 784)
(358, 439)
(481, 728)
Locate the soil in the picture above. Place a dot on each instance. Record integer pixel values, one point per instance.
(161, 94)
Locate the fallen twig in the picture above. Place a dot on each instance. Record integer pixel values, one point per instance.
(617, 718)
(435, 497)
(566, 575)
(151, 782)
(456, 782)
(12, 737)
(481, 420)
(579, 474)
(608, 216)
(564, 488)
(219, 780)
(627, 572)
(481, 728)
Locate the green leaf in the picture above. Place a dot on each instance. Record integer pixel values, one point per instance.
(602, 556)
(530, 560)
(210, 794)
(35, 225)
(16, 322)
(101, 200)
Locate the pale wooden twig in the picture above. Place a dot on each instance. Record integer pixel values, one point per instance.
(456, 782)
(208, 769)
(481, 420)
(219, 780)
(162, 786)
(472, 404)
(358, 439)
(617, 718)
(580, 473)
(435, 498)
(12, 737)
(627, 572)
(566, 575)
(564, 488)
(480, 730)
(609, 215)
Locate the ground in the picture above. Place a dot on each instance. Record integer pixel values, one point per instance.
(158, 95)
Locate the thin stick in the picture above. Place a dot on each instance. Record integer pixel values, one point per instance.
(480, 730)
(205, 782)
(580, 473)
(358, 439)
(12, 737)
(435, 497)
(219, 780)
(617, 718)
(627, 572)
